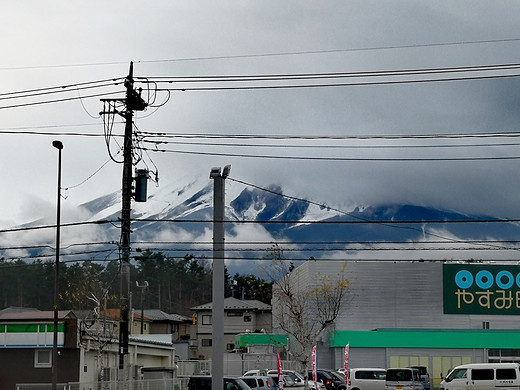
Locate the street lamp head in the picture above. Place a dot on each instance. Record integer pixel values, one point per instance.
(215, 172)
(226, 170)
(57, 144)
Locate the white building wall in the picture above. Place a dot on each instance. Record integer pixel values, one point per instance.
(389, 294)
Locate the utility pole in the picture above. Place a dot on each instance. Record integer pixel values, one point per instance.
(132, 102)
(217, 349)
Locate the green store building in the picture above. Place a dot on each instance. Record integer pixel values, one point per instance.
(435, 314)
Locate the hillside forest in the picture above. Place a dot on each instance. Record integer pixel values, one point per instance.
(174, 284)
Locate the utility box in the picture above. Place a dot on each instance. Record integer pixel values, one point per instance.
(141, 185)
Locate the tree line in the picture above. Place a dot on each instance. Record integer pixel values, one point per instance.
(174, 285)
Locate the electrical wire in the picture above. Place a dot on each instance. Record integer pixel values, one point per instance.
(337, 159)
(277, 54)
(492, 134)
(329, 75)
(62, 100)
(332, 146)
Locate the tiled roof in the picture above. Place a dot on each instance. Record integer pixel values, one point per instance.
(159, 315)
(157, 339)
(231, 303)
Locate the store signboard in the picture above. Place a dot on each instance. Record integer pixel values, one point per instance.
(481, 289)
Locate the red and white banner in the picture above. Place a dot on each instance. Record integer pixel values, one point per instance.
(280, 374)
(347, 350)
(313, 360)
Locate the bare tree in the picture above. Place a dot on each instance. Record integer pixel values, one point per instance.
(305, 306)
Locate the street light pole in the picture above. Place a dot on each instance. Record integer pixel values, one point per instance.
(217, 316)
(58, 145)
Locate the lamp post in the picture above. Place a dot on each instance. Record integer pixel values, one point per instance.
(142, 287)
(217, 316)
(58, 145)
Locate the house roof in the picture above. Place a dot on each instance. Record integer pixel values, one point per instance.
(159, 315)
(149, 315)
(29, 314)
(156, 339)
(231, 303)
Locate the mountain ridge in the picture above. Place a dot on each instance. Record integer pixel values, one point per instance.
(177, 219)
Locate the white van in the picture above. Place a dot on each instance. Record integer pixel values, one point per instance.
(483, 376)
(366, 379)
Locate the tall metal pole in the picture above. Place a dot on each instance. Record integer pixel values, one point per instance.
(143, 288)
(125, 222)
(58, 145)
(217, 355)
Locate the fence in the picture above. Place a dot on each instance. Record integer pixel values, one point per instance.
(145, 384)
(235, 365)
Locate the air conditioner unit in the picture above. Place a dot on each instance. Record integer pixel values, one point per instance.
(136, 372)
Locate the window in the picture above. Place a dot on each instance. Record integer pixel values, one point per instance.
(235, 313)
(247, 318)
(43, 358)
(207, 342)
(206, 319)
(457, 373)
(230, 347)
(506, 373)
(482, 374)
(365, 374)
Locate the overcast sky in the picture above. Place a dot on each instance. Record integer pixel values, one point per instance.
(57, 43)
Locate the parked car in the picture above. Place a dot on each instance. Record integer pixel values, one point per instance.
(255, 372)
(339, 379)
(489, 376)
(425, 376)
(403, 379)
(295, 379)
(331, 379)
(259, 382)
(203, 382)
(367, 379)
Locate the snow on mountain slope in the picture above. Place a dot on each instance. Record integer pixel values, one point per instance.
(192, 200)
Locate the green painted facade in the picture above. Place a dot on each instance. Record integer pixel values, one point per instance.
(426, 338)
(30, 328)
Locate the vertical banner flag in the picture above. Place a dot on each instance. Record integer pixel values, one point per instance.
(280, 374)
(313, 357)
(347, 348)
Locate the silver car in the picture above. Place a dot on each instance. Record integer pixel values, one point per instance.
(259, 382)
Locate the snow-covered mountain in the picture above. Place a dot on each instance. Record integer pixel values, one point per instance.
(177, 217)
(319, 231)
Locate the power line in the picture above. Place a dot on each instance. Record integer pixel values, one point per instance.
(332, 146)
(338, 159)
(24, 130)
(330, 75)
(492, 134)
(334, 85)
(41, 102)
(272, 54)
(61, 88)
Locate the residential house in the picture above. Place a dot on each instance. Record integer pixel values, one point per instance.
(159, 322)
(239, 316)
(87, 348)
